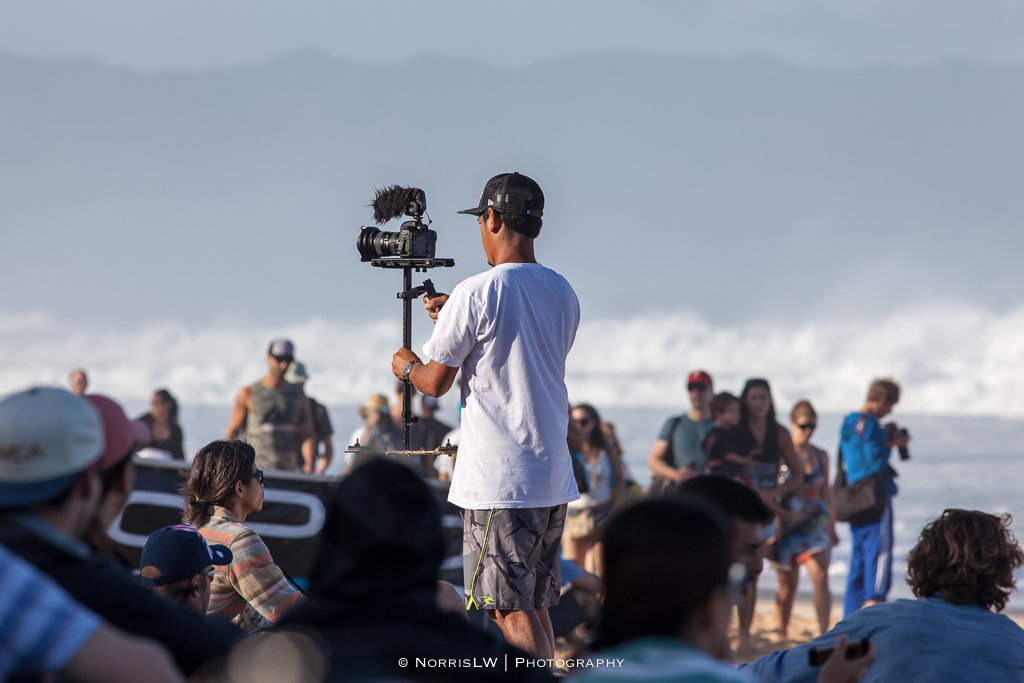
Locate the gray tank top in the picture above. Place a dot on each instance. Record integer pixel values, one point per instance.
(270, 426)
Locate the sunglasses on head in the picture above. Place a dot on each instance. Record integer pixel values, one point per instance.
(258, 474)
(808, 427)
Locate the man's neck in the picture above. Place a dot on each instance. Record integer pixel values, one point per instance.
(699, 415)
(872, 408)
(63, 519)
(516, 249)
(272, 382)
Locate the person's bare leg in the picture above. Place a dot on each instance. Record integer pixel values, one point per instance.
(576, 550)
(545, 621)
(523, 629)
(817, 568)
(788, 581)
(745, 611)
(595, 551)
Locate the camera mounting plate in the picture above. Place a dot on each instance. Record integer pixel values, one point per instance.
(413, 263)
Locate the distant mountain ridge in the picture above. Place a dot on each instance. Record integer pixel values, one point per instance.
(741, 189)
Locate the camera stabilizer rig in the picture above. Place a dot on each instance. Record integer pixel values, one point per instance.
(411, 248)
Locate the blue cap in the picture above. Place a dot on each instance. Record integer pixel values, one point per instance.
(180, 552)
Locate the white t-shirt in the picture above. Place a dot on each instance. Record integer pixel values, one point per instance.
(444, 463)
(510, 330)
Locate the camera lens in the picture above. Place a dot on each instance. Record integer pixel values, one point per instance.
(373, 243)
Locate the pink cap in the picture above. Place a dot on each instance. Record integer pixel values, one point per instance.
(120, 433)
(699, 377)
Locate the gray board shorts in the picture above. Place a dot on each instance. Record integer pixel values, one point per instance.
(510, 557)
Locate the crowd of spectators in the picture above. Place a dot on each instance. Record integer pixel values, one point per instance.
(671, 568)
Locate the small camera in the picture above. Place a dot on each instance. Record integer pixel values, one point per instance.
(413, 241)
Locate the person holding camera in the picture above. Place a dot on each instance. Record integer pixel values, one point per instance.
(509, 330)
(864, 450)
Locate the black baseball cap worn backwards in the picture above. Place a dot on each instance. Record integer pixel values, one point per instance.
(180, 552)
(511, 194)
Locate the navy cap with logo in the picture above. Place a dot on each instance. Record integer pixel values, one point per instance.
(179, 552)
(511, 194)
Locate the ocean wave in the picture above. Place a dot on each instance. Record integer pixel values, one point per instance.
(949, 359)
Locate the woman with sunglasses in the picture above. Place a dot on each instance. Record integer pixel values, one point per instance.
(606, 489)
(223, 489)
(807, 542)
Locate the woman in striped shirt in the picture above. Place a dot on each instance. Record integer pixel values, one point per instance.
(223, 488)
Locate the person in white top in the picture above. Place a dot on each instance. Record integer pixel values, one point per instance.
(606, 493)
(509, 330)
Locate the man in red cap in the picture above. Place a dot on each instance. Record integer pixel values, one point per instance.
(677, 454)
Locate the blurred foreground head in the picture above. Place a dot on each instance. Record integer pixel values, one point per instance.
(966, 557)
(382, 536)
(666, 574)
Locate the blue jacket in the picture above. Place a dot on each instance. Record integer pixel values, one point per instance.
(865, 451)
(917, 640)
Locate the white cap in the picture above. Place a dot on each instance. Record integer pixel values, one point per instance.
(47, 436)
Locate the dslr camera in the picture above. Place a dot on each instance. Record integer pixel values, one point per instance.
(413, 245)
(892, 432)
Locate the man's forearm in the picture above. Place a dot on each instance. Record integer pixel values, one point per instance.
(433, 379)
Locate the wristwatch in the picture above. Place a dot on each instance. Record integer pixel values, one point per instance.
(408, 369)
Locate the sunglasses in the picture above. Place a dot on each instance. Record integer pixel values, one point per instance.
(584, 422)
(210, 574)
(258, 474)
(809, 427)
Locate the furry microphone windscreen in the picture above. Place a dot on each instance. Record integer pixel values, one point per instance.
(391, 202)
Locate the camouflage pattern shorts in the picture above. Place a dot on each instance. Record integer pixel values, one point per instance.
(510, 557)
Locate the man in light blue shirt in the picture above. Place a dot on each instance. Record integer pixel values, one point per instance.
(951, 633)
(865, 450)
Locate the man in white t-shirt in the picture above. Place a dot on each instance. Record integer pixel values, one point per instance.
(509, 330)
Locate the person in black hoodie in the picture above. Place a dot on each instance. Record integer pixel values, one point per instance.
(374, 584)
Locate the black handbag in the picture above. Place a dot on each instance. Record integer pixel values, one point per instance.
(862, 502)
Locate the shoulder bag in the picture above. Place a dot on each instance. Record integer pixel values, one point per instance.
(862, 502)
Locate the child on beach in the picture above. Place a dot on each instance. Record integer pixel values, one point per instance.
(720, 443)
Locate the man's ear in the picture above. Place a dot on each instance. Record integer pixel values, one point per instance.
(494, 226)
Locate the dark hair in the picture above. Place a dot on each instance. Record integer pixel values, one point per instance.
(211, 481)
(771, 432)
(721, 402)
(737, 501)
(663, 560)
(596, 438)
(967, 557)
(166, 397)
(884, 390)
(528, 226)
(382, 533)
(110, 476)
(803, 407)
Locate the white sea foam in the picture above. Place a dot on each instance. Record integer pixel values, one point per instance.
(950, 360)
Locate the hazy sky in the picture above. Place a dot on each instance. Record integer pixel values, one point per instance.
(151, 34)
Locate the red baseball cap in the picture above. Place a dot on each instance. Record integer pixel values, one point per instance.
(699, 377)
(121, 434)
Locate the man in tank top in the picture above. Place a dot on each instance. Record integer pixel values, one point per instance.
(273, 413)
